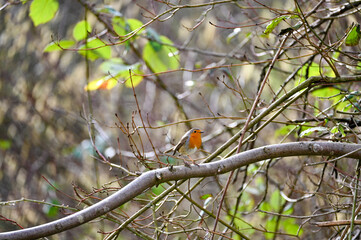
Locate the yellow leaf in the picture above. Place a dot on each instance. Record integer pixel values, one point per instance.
(102, 83)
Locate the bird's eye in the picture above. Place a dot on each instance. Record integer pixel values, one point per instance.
(194, 131)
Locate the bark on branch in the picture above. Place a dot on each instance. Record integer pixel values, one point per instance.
(336, 223)
(154, 177)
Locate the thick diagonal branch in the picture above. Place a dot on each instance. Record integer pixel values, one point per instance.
(155, 177)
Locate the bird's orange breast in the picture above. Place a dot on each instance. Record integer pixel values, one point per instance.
(195, 140)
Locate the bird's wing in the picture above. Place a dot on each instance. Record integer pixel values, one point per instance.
(169, 150)
(180, 144)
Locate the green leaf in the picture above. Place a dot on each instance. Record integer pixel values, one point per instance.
(309, 131)
(169, 160)
(51, 211)
(265, 206)
(271, 227)
(233, 34)
(5, 144)
(122, 27)
(344, 106)
(136, 78)
(100, 51)
(81, 30)
(244, 227)
(247, 200)
(117, 71)
(351, 96)
(327, 92)
(161, 57)
(158, 189)
(119, 25)
(288, 209)
(42, 11)
(290, 226)
(110, 10)
(252, 168)
(341, 129)
(335, 54)
(116, 68)
(134, 24)
(357, 107)
(283, 131)
(315, 70)
(276, 201)
(334, 130)
(333, 94)
(113, 66)
(154, 39)
(205, 196)
(274, 23)
(290, 29)
(353, 37)
(57, 46)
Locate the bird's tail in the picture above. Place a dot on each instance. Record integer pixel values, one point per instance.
(169, 150)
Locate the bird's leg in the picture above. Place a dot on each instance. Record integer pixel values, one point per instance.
(170, 166)
(192, 160)
(186, 163)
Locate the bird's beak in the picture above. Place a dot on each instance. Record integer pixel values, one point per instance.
(202, 132)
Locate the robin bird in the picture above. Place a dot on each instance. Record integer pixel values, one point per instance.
(189, 144)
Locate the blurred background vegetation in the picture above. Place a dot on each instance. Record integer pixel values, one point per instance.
(47, 116)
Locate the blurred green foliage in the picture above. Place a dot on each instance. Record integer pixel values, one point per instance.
(204, 61)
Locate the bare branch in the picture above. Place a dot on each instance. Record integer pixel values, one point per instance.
(155, 177)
